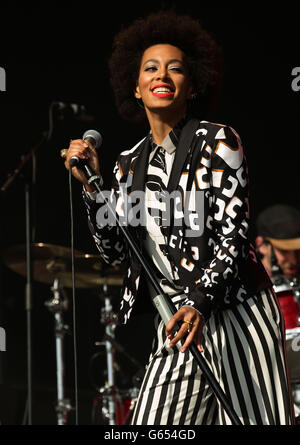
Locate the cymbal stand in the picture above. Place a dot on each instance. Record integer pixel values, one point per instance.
(57, 305)
(108, 318)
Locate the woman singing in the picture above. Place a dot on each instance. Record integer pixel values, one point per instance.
(162, 67)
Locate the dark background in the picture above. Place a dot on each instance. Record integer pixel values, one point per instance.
(60, 53)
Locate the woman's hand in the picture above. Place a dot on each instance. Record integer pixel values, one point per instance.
(193, 328)
(83, 150)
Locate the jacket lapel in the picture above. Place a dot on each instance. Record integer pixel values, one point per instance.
(186, 136)
(140, 166)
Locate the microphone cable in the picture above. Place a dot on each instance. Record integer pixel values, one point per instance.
(96, 137)
(73, 297)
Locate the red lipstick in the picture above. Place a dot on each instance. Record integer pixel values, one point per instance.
(162, 93)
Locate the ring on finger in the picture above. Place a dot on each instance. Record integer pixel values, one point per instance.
(64, 153)
(189, 325)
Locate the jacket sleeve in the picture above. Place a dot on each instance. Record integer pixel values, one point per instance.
(107, 235)
(226, 225)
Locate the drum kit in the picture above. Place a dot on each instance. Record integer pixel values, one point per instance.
(52, 265)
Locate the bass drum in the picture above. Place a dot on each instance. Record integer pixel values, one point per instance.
(290, 309)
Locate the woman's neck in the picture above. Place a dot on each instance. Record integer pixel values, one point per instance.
(162, 125)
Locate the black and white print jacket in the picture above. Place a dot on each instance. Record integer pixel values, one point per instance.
(217, 266)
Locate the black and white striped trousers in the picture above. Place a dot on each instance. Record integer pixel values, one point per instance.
(245, 347)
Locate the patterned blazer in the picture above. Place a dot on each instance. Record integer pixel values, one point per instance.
(207, 245)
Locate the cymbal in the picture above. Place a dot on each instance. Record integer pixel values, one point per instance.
(39, 251)
(51, 261)
(90, 272)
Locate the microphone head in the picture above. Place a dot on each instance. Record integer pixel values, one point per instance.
(95, 135)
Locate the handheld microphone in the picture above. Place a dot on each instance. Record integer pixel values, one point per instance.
(92, 136)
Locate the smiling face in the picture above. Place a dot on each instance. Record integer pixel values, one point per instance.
(163, 84)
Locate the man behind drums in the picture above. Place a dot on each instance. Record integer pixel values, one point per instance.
(278, 242)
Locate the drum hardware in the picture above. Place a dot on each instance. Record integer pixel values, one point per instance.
(295, 285)
(125, 401)
(133, 399)
(51, 264)
(57, 305)
(108, 400)
(109, 392)
(116, 405)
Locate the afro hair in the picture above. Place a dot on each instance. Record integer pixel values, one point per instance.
(186, 33)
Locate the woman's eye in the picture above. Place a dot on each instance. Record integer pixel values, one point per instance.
(177, 69)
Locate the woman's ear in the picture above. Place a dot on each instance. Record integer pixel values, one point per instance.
(137, 93)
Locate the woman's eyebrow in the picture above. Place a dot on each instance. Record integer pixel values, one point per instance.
(157, 61)
(176, 61)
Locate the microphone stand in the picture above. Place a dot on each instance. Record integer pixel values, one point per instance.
(162, 301)
(30, 233)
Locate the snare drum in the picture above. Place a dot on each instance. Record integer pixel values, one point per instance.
(291, 314)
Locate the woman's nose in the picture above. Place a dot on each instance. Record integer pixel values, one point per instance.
(162, 73)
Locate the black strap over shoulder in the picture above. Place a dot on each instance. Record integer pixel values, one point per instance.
(186, 137)
(187, 146)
